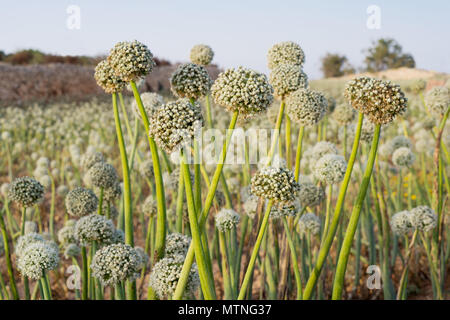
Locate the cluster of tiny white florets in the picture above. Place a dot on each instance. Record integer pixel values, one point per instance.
(310, 195)
(403, 157)
(72, 250)
(424, 218)
(166, 273)
(149, 206)
(380, 100)
(330, 169)
(91, 158)
(111, 193)
(287, 52)
(81, 202)
(146, 169)
(306, 107)
(438, 100)
(285, 209)
(396, 143)
(401, 222)
(37, 258)
(250, 206)
(227, 219)
(177, 244)
(25, 240)
(320, 149)
(26, 191)
(66, 234)
(331, 102)
(309, 222)
(201, 54)
(344, 114)
(242, 90)
(191, 81)
(96, 228)
(107, 79)
(175, 123)
(286, 78)
(103, 175)
(30, 227)
(115, 263)
(151, 102)
(273, 183)
(367, 131)
(131, 60)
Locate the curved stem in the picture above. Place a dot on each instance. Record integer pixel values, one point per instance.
(160, 197)
(181, 285)
(325, 248)
(298, 154)
(276, 133)
(354, 218)
(251, 264)
(128, 214)
(295, 266)
(207, 285)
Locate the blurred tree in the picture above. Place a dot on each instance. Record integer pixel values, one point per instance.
(335, 65)
(387, 54)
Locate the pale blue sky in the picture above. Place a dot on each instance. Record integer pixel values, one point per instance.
(240, 32)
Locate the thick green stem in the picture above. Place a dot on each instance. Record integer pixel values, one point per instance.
(181, 285)
(276, 133)
(128, 214)
(205, 281)
(354, 218)
(251, 264)
(298, 154)
(160, 197)
(12, 281)
(325, 248)
(298, 279)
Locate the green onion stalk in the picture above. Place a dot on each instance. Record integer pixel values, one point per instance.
(325, 247)
(181, 285)
(12, 281)
(128, 214)
(160, 197)
(354, 218)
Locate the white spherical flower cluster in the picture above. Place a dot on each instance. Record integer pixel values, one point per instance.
(344, 114)
(250, 206)
(66, 234)
(201, 54)
(25, 240)
(146, 169)
(310, 195)
(330, 169)
(285, 209)
(286, 78)
(379, 100)
(36, 259)
(26, 191)
(107, 79)
(306, 107)
(320, 149)
(403, 157)
(243, 90)
(438, 100)
(90, 158)
(30, 227)
(131, 60)
(94, 227)
(367, 131)
(273, 183)
(424, 218)
(309, 222)
(166, 273)
(149, 206)
(72, 250)
(81, 202)
(177, 244)
(103, 175)
(286, 52)
(111, 193)
(402, 223)
(115, 263)
(151, 102)
(175, 123)
(191, 81)
(227, 219)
